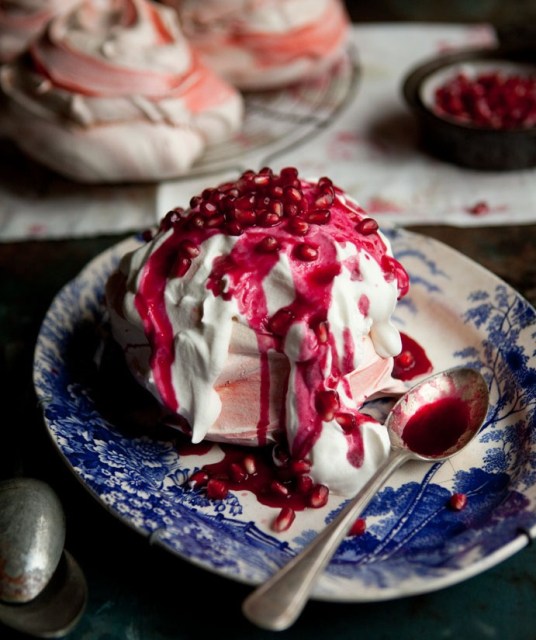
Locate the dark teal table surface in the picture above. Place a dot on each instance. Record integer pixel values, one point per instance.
(139, 592)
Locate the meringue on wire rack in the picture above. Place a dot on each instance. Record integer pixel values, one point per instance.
(113, 92)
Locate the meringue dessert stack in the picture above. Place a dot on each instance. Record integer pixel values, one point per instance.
(261, 314)
(113, 92)
(265, 44)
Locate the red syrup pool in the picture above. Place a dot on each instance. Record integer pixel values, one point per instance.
(287, 484)
(253, 469)
(436, 427)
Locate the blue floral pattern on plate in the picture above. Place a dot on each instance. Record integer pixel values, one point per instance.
(414, 543)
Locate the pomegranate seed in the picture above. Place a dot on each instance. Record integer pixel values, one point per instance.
(198, 479)
(237, 473)
(194, 202)
(208, 209)
(182, 265)
(458, 501)
(292, 195)
(226, 187)
(280, 321)
(301, 466)
(405, 359)
(280, 455)
(218, 198)
(228, 205)
(147, 235)
(327, 404)
(243, 202)
(250, 465)
(479, 208)
(234, 228)
(172, 218)
(358, 528)
(319, 216)
(261, 180)
(278, 488)
(262, 201)
(206, 193)
(276, 206)
(276, 191)
(322, 332)
(284, 519)
(324, 182)
(245, 217)
(367, 226)
(220, 287)
(269, 219)
(347, 421)
(298, 226)
(196, 221)
(288, 174)
(318, 496)
(217, 489)
(304, 484)
(291, 209)
(268, 244)
(245, 180)
(215, 221)
(306, 252)
(166, 223)
(189, 249)
(326, 199)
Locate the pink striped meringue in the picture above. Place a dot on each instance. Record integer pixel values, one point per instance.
(23, 21)
(112, 92)
(265, 44)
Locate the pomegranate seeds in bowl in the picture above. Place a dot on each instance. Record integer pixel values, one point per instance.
(490, 99)
(477, 108)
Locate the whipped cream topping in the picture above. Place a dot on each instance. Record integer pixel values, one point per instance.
(264, 43)
(121, 75)
(284, 270)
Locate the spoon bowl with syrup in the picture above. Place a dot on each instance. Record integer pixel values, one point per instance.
(431, 422)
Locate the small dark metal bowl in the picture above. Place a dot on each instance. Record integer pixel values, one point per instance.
(465, 144)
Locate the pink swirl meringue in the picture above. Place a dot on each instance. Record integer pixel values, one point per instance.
(23, 21)
(112, 92)
(265, 44)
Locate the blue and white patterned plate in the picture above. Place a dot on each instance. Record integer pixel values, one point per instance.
(414, 543)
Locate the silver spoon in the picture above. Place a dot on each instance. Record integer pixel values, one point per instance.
(42, 590)
(431, 422)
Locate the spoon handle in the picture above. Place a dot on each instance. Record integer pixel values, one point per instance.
(278, 602)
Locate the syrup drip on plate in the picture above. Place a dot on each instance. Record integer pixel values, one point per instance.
(283, 482)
